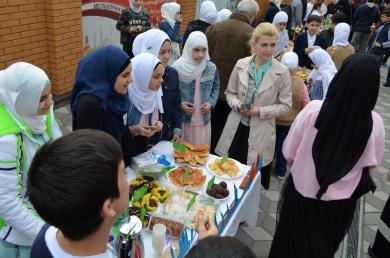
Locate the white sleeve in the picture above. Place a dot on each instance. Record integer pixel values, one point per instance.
(14, 209)
(325, 85)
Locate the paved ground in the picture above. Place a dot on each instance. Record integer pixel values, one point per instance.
(260, 238)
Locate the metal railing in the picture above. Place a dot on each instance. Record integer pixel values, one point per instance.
(352, 246)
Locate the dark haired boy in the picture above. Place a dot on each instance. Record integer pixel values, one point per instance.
(78, 184)
(381, 45)
(306, 42)
(386, 4)
(328, 34)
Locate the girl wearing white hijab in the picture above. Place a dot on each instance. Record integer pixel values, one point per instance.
(316, 7)
(207, 16)
(223, 15)
(145, 97)
(157, 43)
(280, 22)
(26, 122)
(208, 12)
(132, 21)
(171, 25)
(340, 49)
(322, 74)
(199, 88)
(150, 42)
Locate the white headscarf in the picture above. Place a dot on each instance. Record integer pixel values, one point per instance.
(187, 68)
(223, 15)
(309, 10)
(149, 42)
(169, 11)
(283, 37)
(208, 12)
(144, 99)
(341, 34)
(326, 68)
(290, 59)
(21, 87)
(133, 8)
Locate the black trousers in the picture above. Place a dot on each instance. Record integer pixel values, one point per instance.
(239, 151)
(128, 48)
(219, 116)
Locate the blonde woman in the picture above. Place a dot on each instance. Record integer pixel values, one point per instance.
(259, 90)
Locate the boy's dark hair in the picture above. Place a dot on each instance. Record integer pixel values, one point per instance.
(339, 17)
(314, 18)
(220, 247)
(386, 12)
(69, 180)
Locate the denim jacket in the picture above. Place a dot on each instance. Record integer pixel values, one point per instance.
(134, 116)
(209, 84)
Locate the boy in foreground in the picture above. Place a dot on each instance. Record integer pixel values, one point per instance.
(78, 184)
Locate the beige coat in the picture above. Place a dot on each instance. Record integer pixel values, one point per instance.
(274, 99)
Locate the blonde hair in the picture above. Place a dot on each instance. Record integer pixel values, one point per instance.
(264, 29)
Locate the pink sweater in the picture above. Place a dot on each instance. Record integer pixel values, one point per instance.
(297, 149)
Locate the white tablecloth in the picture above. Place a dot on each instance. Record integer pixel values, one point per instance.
(247, 209)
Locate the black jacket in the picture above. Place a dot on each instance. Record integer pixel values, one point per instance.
(364, 17)
(91, 115)
(301, 43)
(270, 13)
(127, 19)
(196, 25)
(171, 118)
(328, 36)
(287, 9)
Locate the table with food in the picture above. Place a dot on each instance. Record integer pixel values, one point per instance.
(173, 183)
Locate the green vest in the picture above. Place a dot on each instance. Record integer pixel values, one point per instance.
(12, 125)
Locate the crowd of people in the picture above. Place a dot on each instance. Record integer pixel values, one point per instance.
(223, 83)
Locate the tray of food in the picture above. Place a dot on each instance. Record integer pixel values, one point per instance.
(303, 72)
(205, 206)
(192, 155)
(147, 194)
(227, 170)
(187, 177)
(184, 206)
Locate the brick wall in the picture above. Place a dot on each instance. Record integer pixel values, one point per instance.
(46, 33)
(188, 10)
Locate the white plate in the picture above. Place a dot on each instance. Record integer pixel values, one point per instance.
(225, 176)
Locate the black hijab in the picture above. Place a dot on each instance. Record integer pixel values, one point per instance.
(344, 122)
